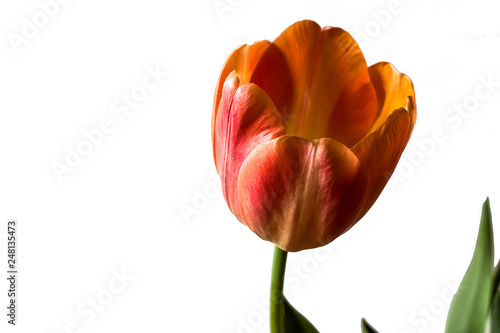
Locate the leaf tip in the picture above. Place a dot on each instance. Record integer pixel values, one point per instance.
(366, 327)
(487, 203)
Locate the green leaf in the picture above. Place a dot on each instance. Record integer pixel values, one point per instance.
(495, 301)
(496, 279)
(367, 328)
(295, 322)
(469, 307)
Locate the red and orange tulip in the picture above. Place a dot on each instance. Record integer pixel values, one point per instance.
(305, 135)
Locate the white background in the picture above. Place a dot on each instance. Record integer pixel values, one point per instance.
(119, 209)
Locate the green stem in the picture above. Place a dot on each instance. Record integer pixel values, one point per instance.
(277, 309)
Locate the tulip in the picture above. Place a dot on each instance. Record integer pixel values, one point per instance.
(305, 135)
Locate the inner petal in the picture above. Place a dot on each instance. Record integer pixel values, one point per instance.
(333, 96)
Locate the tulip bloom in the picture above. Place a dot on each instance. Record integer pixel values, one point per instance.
(305, 135)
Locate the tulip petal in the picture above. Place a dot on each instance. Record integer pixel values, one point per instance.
(298, 193)
(273, 76)
(218, 139)
(393, 88)
(242, 124)
(261, 63)
(380, 151)
(242, 60)
(337, 99)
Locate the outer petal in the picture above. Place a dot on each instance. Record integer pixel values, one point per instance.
(336, 99)
(249, 119)
(242, 60)
(218, 138)
(298, 193)
(393, 88)
(261, 63)
(380, 151)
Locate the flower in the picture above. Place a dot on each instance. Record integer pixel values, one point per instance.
(305, 135)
